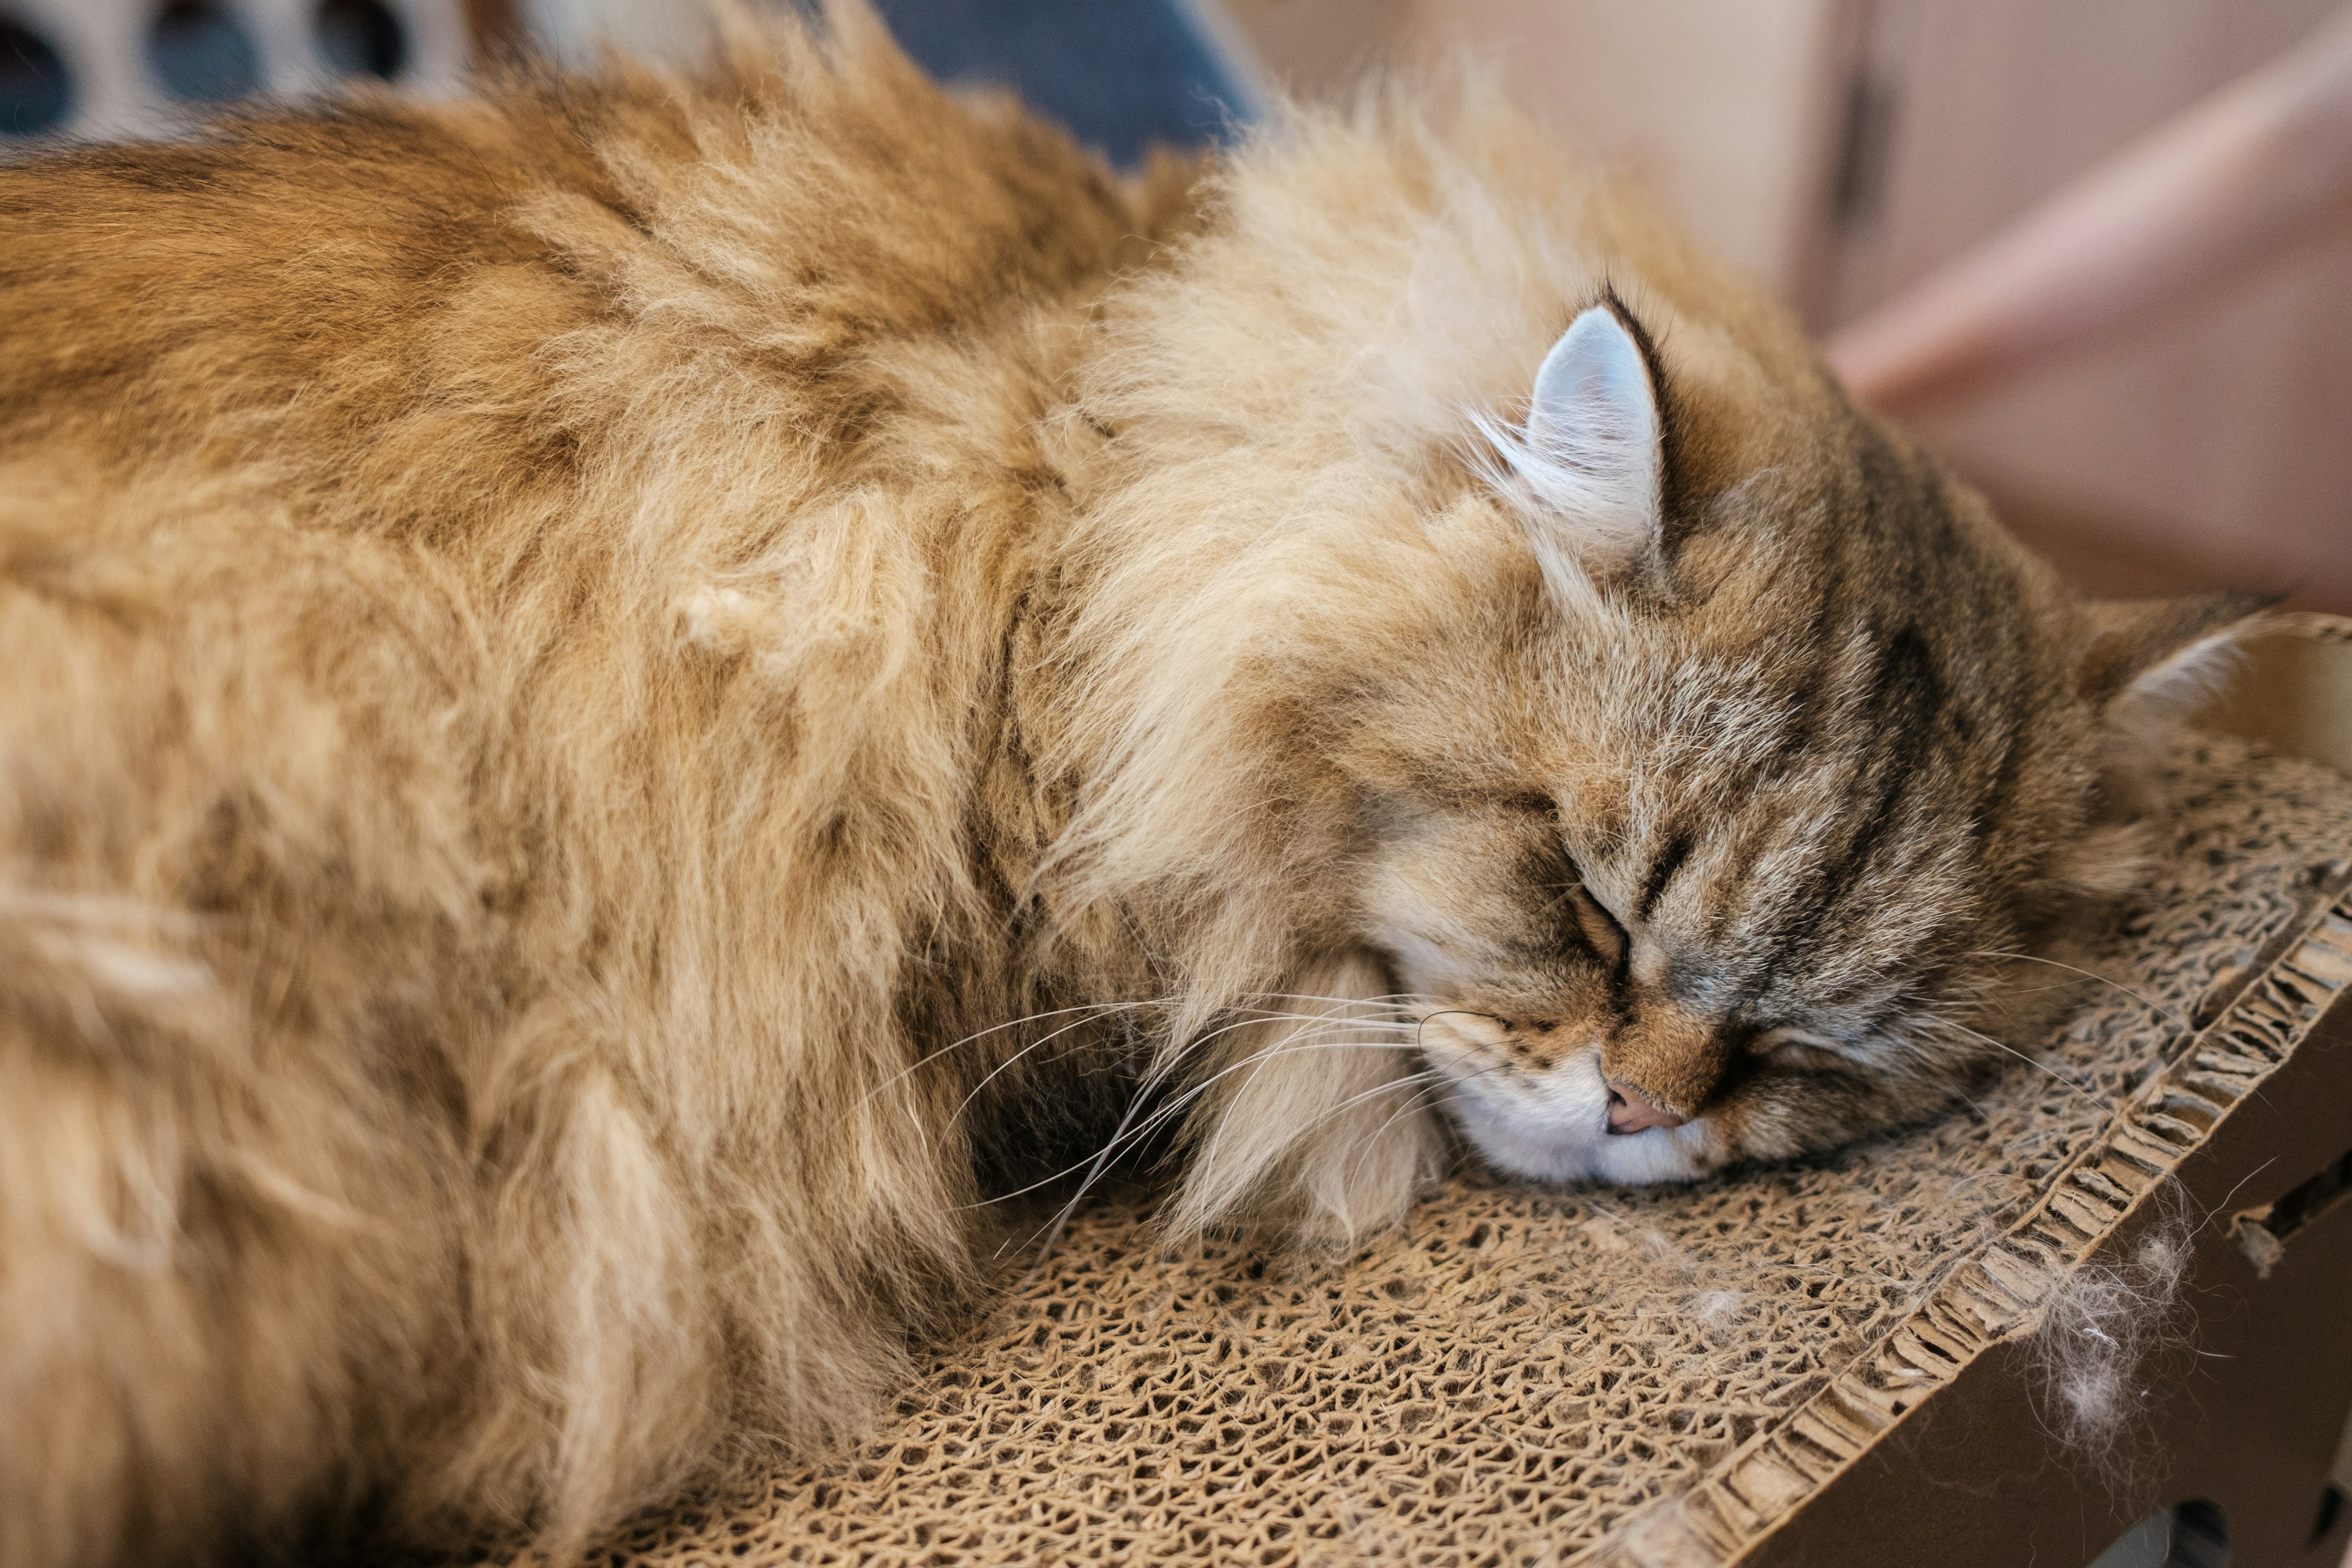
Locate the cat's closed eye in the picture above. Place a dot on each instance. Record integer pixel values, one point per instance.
(1789, 1047)
(1599, 927)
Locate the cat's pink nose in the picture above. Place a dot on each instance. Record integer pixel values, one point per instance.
(1628, 1113)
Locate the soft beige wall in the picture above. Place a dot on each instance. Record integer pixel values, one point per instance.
(2217, 432)
(1723, 106)
(1726, 107)
(1315, 49)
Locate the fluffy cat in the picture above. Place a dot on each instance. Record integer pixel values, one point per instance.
(621, 704)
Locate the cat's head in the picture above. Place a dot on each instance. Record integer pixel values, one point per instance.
(1577, 664)
(1738, 828)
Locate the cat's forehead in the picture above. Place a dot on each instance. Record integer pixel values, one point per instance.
(1821, 814)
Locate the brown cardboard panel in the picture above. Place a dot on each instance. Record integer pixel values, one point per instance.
(2249, 1414)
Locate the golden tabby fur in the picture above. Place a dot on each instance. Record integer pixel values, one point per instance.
(618, 703)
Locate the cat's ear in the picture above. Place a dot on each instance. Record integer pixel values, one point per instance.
(2163, 654)
(1591, 458)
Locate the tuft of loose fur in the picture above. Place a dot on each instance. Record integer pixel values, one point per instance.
(2101, 1327)
(623, 705)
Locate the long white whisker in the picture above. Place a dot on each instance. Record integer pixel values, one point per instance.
(1051, 1233)
(1191, 1097)
(1122, 1133)
(1395, 1001)
(1129, 1132)
(921, 1062)
(999, 1068)
(1277, 1015)
(1436, 1090)
(2020, 1056)
(1391, 999)
(2152, 1006)
(1443, 1084)
(1422, 1077)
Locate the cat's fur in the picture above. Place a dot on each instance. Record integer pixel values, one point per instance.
(571, 667)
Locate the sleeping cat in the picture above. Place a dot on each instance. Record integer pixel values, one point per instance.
(621, 707)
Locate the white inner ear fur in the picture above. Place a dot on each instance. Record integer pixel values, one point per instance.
(1590, 455)
(2165, 693)
(2190, 677)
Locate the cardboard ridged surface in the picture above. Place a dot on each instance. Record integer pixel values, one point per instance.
(1531, 1376)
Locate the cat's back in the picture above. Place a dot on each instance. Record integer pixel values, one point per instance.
(403, 304)
(499, 606)
(492, 485)
(576, 393)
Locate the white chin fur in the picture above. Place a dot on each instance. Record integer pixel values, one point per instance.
(1555, 1127)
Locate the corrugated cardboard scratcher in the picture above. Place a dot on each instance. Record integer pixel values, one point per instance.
(1841, 1361)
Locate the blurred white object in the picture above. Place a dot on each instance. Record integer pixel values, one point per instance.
(145, 67)
(574, 31)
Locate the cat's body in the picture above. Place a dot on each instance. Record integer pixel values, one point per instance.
(573, 669)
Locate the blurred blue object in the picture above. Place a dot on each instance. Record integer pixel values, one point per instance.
(202, 52)
(1121, 74)
(37, 90)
